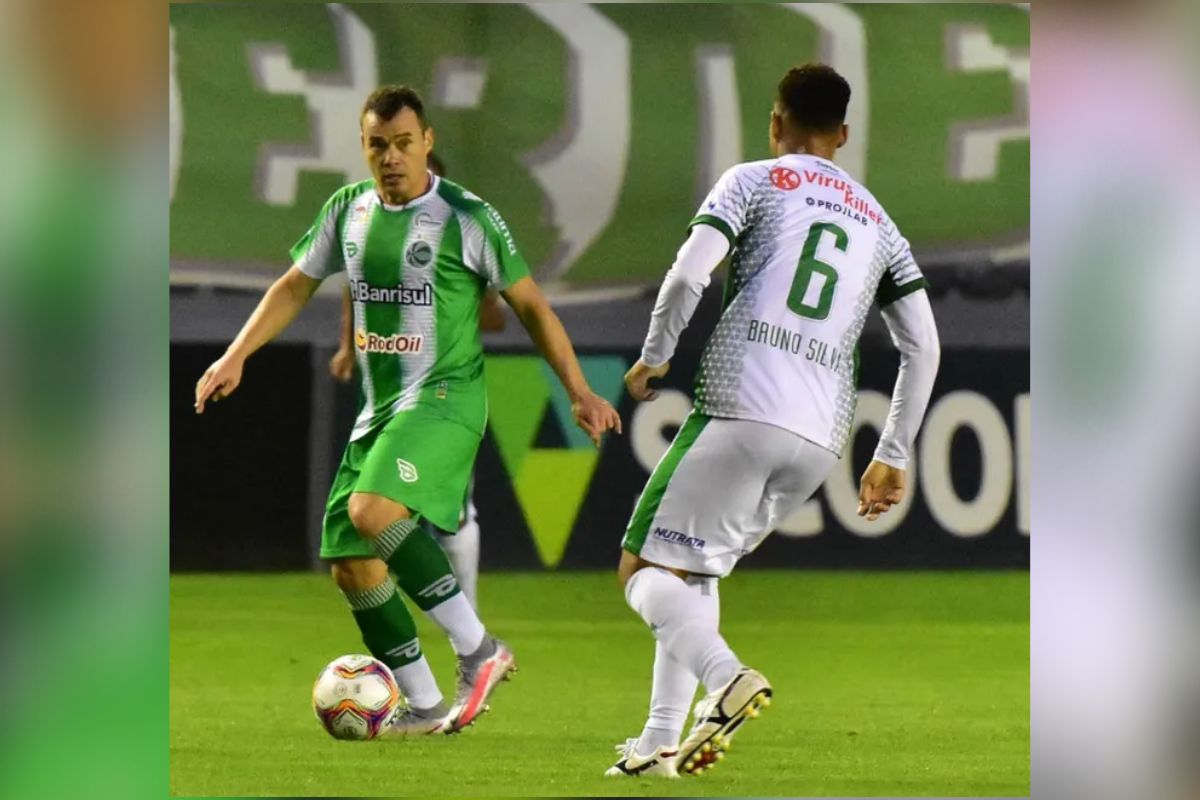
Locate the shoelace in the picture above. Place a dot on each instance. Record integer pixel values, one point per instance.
(463, 683)
(627, 749)
(704, 709)
(410, 716)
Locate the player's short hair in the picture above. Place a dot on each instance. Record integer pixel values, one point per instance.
(389, 100)
(814, 97)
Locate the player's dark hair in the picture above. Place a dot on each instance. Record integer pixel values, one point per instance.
(814, 97)
(387, 101)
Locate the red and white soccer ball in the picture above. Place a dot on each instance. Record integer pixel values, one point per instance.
(356, 697)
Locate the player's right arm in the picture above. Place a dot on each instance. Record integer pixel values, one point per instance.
(684, 284)
(278, 307)
(341, 366)
(314, 258)
(713, 234)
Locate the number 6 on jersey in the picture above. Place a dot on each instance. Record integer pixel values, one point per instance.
(810, 298)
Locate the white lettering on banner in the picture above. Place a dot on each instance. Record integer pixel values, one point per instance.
(719, 128)
(331, 99)
(582, 167)
(975, 145)
(458, 82)
(1021, 413)
(966, 518)
(841, 489)
(175, 120)
(649, 419)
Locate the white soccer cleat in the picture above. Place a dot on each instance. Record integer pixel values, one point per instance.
(718, 715)
(410, 722)
(659, 764)
(478, 676)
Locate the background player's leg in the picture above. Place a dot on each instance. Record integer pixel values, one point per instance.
(463, 550)
(674, 684)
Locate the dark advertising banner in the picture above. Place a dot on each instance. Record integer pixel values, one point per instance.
(244, 495)
(547, 498)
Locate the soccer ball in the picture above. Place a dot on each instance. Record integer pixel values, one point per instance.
(356, 697)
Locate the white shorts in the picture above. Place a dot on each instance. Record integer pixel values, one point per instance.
(721, 487)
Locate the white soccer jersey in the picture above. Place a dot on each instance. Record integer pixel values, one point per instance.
(812, 249)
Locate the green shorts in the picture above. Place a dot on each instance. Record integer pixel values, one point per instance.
(421, 458)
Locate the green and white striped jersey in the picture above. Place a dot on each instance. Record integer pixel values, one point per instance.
(417, 274)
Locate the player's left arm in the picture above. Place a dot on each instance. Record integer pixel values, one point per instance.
(491, 314)
(593, 414)
(910, 322)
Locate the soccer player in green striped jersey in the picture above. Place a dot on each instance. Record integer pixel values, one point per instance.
(419, 252)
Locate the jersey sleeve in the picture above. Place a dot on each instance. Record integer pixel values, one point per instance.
(728, 202)
(317, 254)
(490, 249)
(902, 276)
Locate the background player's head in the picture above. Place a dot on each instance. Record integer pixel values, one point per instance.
(436, 165)
(396, 140)
(810, 111)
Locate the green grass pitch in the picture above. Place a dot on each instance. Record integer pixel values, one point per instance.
(885, 684)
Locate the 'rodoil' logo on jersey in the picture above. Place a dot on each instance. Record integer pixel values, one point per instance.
(397, 343)
(363, 292)
(525, 399)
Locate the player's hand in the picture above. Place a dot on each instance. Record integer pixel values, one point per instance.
(341, 366)
(637, 380)
(218, 381)
(595, 415)
(881, 488)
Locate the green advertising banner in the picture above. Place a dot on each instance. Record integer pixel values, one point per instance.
(594, 129)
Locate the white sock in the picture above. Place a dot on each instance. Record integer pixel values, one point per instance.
(674, 685)
(686, 628)
(418, 684)
(670, 698)
(460, 622)
(462, 548)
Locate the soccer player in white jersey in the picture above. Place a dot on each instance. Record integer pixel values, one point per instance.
(774, 400)
(420, 252)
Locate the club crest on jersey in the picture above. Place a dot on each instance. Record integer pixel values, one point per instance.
(397, 344)
(402, 295)
(419, 254)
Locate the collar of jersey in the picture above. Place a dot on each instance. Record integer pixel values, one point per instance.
(416, 201)
(822, 159)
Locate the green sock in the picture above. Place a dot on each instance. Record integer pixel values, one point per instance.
(388, 629)
(419, 562)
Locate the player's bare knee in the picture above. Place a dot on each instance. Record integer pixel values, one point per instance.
(370, 514)
(362, 514)
(358, 574)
